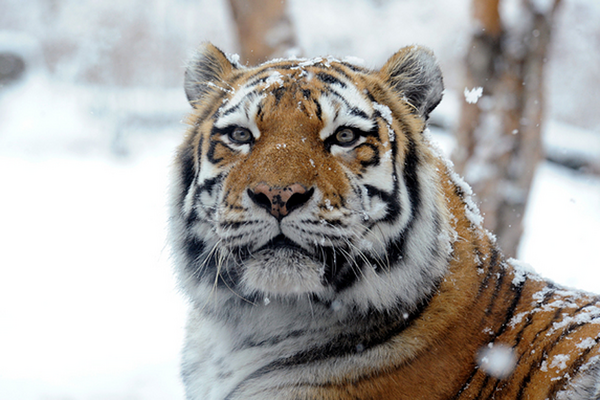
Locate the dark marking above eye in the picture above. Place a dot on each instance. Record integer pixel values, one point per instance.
(358, 113)
(232, 109)
(353, 109)
(330, 79)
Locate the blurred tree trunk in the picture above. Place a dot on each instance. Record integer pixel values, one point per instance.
(264, 29)
(499, 140)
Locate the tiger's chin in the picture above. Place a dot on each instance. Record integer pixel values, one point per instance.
(282, 272)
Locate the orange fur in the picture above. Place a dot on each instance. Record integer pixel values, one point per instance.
(483, 300)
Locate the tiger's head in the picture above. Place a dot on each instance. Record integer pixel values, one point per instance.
(310, 178)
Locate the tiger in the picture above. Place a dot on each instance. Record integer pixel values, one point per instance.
(328, 250)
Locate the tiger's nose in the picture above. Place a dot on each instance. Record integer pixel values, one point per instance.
(280, 201)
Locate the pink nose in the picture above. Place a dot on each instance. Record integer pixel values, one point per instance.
(280, 201)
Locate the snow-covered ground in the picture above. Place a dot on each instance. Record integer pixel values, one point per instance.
(89, 309)
(88, 304)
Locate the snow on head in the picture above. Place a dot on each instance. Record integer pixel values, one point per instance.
(276, 78)
(234, 59)
(497, 360)
(473, 95)
(359, 62)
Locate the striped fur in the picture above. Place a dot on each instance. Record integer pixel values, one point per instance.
(372, 278)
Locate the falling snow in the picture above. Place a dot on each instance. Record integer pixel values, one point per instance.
(473, 95)
(497, 360)
(141, 360)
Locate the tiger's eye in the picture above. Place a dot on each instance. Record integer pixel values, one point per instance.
(240, 135)
(345, 136)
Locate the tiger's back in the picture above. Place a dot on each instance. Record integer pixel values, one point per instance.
(329, 252)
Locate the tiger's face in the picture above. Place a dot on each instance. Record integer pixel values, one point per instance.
(305, 177)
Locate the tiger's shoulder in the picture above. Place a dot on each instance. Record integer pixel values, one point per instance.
(330, 252)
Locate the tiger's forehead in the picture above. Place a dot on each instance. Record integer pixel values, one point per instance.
(335, 90)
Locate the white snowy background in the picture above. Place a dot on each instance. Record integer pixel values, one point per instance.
(89, 309)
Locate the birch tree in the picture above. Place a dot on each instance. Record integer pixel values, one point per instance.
(499, 140)
(264, 29)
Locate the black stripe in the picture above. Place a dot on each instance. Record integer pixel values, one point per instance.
(209, 184)
(278, 92)
(484, 384)
(187, 168)
(255, 78)
(543, 354)
(232, 109)
(394, 208)
(382, 327)
(494, 257)
(236, 77)
(340, 272)
(272, 341)
(248, 97)
(370, 96)
(574, 369)
(259, 111)
(330, 222)
(353, 109)
(286, 64)
(510, 312)
(329, 79)
(319, 110)
(358, 113)
(210, 154)
(411, 178)
(236, 225)
(492, 270)
(353, 67)
(484, 283)
(203, 264)
(214, 102)
(547, 297)
(396, 248)
(339, 69)
(194, 248)
(466, 385)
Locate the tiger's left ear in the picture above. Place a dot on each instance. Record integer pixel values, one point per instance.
(414, 74)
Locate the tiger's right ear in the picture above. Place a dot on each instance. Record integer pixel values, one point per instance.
(207, 69)
(414, 74)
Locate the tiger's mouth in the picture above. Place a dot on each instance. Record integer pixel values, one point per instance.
(283, 267)
(282, 242)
